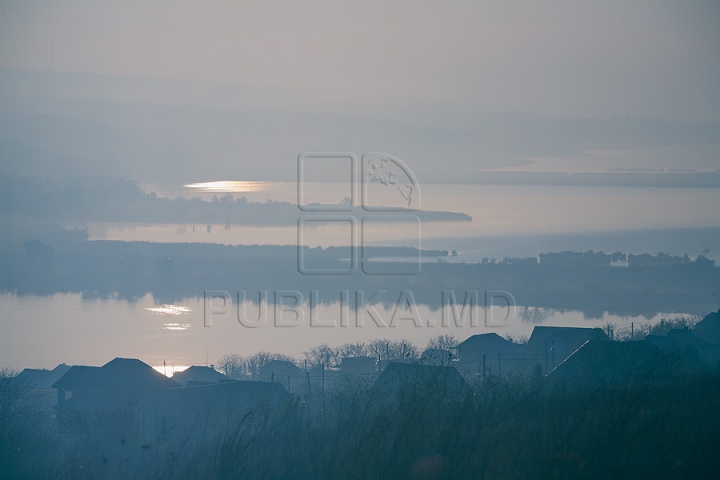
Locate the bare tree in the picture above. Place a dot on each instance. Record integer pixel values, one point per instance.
(393, 349)
(443, 342)
(16, 398)
(322, 355)
(357, 349)
(248, 368)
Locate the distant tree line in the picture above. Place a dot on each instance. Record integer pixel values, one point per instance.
(591, 258)
(248, 367)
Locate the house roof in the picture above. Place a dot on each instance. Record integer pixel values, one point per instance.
(280, 367)
(685, 337)
(662, 342)
(120, 374)
(41, 379)
(569, 334)
(198, 373)
(708, 328)
(490, 341)
(610, 364)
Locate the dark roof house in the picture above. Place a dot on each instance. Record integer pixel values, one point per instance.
(284, 372)
(708, 328)
(41, 379)
(115, 381)
(197, 375)
(550, 346)
(604, 364)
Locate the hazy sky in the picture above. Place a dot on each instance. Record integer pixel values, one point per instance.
(558, 57)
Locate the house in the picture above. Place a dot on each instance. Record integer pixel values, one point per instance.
(358, 366)
(603, 364)
(127, 396)
(41, 381)
(213, 406)
(404, 380)
(285, 373)
(199, 375)
(114, 382)
(682, 339)
(550, 346)
(491, 352)
(708, 328)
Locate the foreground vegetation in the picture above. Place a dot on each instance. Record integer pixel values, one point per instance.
(510, 427)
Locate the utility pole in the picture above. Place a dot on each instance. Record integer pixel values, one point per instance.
(307, 374)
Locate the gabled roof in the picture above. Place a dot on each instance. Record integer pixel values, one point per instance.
(42, 379)
(489, 341)
(118, 375)
(610, 364)
(280, 367)
(708, 328)
(198, 373)
(685, 337)
(569, 335)
(662, 342)
(78, 377)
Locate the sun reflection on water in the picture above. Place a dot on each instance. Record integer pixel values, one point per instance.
(176, 326)
(231, 186)
(169, 310)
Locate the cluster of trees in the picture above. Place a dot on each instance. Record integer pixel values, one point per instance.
(248, 367)
(665, 260)
(579, 258)
(591, 258)
(661, 328)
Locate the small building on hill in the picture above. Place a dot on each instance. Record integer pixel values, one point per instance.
(286, 374)
(199, 375)
(550, 346)
(114, 382)
(602, 364)
(41, 381)
(491, 352)
(708, 328)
